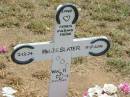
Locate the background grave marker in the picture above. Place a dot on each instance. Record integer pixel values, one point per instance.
(61, 49)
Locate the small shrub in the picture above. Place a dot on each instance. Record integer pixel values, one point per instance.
(9, 22)
(77, 60)
(39, 26)
(73, 93)
(125, 25)
(26, 4)
(115, 51)
(44, 3)
(79, 35)
(119, 36)
(27, 94)
(25, 16)
(108, 10)
(8, 10)
(3, 74)
(2, 66)
(8, 1)
(120, 65)
(41, 75)
(14, 81)
(128, 52)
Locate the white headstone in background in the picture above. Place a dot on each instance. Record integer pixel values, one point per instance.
(61, 49)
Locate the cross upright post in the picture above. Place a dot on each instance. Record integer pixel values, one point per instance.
(61, 49)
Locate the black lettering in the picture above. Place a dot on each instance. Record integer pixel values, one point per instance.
(62, 31)
(77, 48)
(91, 46)
(58, 31)
(57, 50)
(62, 49)
(65, 34)
(70, 25)
(55, 71)
(19, 54)
(96, 46)
(73, 48)
(45, 51)
(29, 53)
(66, 26)
(67, 11)
(69, 49)
(100, 46)
(60, 26)
(65, 30)
(64, 70)
(53, 50)
(87, 47)
(24, 54)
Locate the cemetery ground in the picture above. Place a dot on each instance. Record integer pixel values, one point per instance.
(24, 21)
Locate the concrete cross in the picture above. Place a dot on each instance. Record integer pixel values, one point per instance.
(61, 49)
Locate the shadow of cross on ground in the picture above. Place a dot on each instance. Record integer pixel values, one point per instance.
(61, 49)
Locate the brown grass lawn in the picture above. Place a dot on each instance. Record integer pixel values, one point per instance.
(23, 21)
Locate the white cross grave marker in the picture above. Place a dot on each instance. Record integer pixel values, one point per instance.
(61, 49)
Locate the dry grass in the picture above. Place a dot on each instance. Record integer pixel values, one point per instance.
(41, 75)
(2, 66)
(120, 65)
(3, 74)
(73, 93)
(39, 26)
(14, 81)
(27, 94)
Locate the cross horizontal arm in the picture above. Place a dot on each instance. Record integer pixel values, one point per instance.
(26, 53)
(94, 46)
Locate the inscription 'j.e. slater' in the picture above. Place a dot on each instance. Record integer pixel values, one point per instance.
(61, 49)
